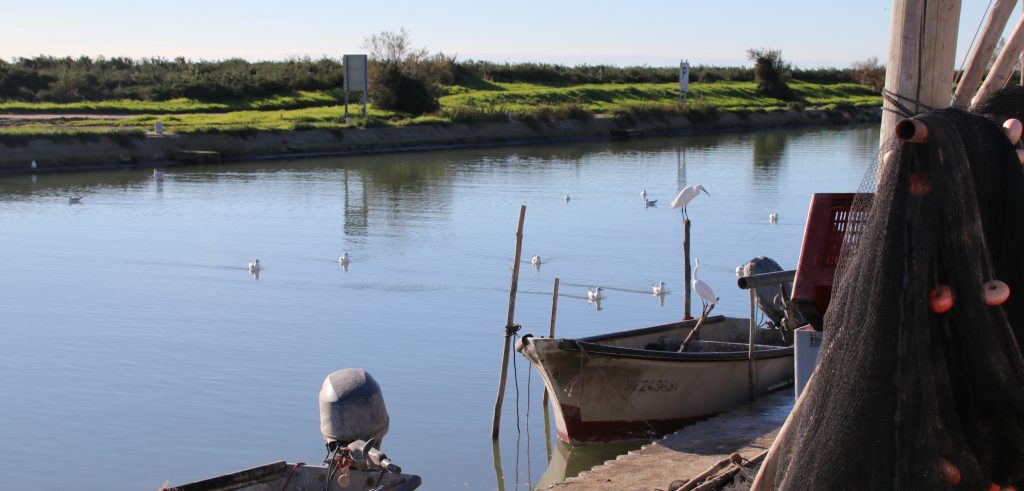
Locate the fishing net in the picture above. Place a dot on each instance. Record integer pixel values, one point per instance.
(905, 397)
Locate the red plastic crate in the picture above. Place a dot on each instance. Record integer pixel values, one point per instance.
(830, 225)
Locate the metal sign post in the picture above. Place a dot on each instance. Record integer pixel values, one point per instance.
(355, 71)
(684, 80)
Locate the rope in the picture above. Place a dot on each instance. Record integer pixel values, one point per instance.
(292, 473)
(515, 373)
(973, 39)
(894, 99)
(617, 391)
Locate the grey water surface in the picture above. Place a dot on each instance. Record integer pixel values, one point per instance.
(136, 348)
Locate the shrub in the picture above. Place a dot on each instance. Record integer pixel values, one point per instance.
(869, 72)
(393, 89)
(771, 73)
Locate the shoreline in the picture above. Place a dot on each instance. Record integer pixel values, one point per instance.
(74, 154)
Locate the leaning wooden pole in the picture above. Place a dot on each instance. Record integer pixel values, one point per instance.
(686, 270)
(551, 333)
(922, 51)
(1002, 69)
(982, 54)
(509, 330)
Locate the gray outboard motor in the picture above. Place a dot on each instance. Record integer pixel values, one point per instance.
(352, 408)
(773, 300)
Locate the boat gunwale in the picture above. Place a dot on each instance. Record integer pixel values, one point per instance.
(602, 349)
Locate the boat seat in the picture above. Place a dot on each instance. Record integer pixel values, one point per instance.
(830, 225)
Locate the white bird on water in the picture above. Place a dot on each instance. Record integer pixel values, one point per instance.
(254, 265)
(535, 260)
(701, 288)
(567, 198)
(650, 202)
(643, 194)
(773, 217)
(343, 258)
(158, 174)
(35, 165)
(659, 288)
(74, 200)
(686, 196)
(594, 293)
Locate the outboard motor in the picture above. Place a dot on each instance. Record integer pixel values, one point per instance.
(352, 409)
(773, 300)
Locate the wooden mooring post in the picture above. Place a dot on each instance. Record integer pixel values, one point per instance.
(509, 330)
(551, 333)
(686, 270)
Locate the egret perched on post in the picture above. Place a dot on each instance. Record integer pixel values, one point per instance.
(686, 196)
(703, 290)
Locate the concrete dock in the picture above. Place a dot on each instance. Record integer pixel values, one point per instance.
(748, 430)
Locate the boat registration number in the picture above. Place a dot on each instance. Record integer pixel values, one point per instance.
(651, 385)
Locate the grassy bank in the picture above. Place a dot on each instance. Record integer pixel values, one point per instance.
(472, 100)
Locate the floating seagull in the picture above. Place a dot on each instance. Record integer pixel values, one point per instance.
(158, 174)
(773, 217)
(254, 266)
(686, 196)
(34, 165)
(659, 288)
(74, 200)
(343, 258)
(594, 293)
(567, 198)
(649, 202)
(643, 194)
(535, 260)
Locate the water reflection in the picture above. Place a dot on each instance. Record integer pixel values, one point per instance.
(568, 461)
(769, 148)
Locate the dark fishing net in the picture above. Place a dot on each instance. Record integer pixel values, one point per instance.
(904, 397)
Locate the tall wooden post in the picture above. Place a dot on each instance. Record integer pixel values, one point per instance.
(686, 270)
(1002, 69)
(922, 51)
(982, 54)
(551, 334)
(496, 422)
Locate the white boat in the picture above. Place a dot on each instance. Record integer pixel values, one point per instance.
(634, 384)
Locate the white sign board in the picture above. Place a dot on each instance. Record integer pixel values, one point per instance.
(684, 76)
(355, 72)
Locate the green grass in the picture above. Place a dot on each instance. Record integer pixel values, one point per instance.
(473, 102)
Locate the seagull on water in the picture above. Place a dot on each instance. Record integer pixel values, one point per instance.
(594, 293)
(650, 202)
(35, 165)
(643, 194)
(567, 198)
(535, 260)
(686, 196)
(773, 217)
(74, 200)
(659, 288)
(158, 174)
(254, 266)
(343, 258)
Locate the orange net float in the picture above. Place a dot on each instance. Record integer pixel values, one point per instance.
(920, 184)
(996, 292)
(941, 298)
(949, 472)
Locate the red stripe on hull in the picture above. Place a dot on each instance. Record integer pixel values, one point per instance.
(580, 431)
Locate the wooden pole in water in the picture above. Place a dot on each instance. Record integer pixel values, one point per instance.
(922, 50)
(496, 422)
(551, 333)
(1002, 69)
(982, 54)
(750, 342)
(686, 270)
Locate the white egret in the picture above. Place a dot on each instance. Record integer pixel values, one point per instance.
(701, 288)
(535, 260)
(74, 200)
(686, 196)
(773, 217)
(659, 288)
(643, 194)
(343, 258)
(594, 293)
(254, 266)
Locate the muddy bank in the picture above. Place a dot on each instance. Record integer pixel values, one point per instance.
(68, 153)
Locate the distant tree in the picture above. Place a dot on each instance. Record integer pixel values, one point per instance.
(869, 72)
(399, 75)
(771, 73)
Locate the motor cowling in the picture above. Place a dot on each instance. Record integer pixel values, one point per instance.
(352, 408)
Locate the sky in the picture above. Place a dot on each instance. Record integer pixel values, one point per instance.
(641, 32)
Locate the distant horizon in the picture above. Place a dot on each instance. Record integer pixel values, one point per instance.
(654, 33)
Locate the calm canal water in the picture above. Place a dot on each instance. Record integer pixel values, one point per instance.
(136, 348)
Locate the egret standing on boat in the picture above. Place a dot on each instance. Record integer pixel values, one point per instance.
(703, 290)
(686, 196)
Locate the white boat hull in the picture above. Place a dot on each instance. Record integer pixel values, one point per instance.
(609, 388)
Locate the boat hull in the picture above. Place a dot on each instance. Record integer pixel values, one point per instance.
(609, 388)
